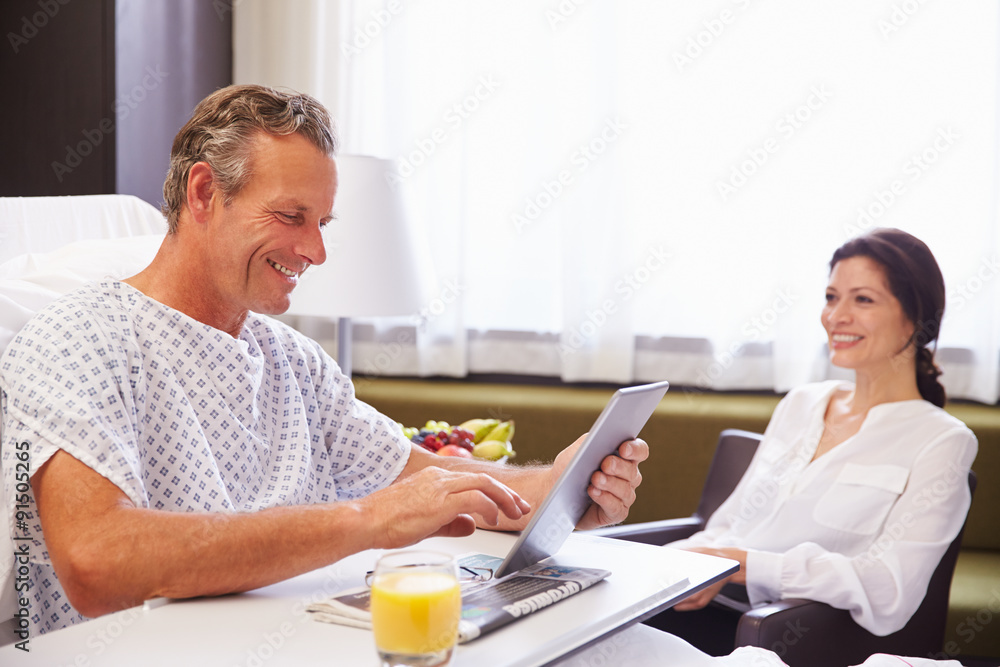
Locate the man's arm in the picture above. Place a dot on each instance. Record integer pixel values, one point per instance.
(110, 554)
(612, 488)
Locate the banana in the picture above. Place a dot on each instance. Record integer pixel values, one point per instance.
(492, 450)
(479, 428)
(504, 432)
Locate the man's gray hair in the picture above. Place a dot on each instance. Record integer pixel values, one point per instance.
(221, 132)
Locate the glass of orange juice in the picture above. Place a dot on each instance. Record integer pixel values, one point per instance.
(416, 604)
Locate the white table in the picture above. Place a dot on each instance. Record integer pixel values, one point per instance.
(270, 627)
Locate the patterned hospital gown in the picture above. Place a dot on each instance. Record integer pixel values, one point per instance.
(182, 417)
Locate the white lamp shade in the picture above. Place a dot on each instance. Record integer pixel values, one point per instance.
(373, 261)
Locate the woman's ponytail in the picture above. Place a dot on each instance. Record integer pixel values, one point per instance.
(927, 377)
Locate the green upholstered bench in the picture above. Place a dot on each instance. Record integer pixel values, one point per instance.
(682, 435)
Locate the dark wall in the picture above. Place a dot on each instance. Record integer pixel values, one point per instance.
(96, 90)
(57, 73)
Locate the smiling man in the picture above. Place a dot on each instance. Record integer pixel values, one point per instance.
(183, 444)
(270, 232)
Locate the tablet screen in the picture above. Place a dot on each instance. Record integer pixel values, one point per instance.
(622, 419)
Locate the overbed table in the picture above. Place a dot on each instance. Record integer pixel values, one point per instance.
(269, 626)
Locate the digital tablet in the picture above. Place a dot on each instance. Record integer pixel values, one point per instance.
(622, 419)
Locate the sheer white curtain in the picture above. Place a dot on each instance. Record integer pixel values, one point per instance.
(626, 191)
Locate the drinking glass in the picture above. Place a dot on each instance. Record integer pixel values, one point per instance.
(416, 603)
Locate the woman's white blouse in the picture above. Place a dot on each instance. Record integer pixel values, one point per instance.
(863, 526)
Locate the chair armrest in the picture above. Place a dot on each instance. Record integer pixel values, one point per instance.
(784, 627)
(653, 532)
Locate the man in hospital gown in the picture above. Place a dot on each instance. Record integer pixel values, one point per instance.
(180, 443)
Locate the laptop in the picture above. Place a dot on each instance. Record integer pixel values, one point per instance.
(622, 419)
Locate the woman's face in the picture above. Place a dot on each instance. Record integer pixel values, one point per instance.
(865, 324)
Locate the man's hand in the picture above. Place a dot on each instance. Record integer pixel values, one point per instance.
(612, 488)
(434, 501)
(110, 554)
(704, 596)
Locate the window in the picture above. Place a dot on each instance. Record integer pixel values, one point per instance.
(629, 191)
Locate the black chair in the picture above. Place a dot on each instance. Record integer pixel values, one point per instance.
(804, 633)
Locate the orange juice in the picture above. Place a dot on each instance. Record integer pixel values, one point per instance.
(415, 613)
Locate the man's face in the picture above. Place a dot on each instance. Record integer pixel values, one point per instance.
(272, 230)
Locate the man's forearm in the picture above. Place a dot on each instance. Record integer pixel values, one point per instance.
(225, 553)
(109, 554)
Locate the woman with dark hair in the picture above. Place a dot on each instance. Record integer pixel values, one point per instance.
(856, 489)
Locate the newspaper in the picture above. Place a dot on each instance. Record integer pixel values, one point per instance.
(487, 605)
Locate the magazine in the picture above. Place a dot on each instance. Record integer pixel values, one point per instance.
(486, 605)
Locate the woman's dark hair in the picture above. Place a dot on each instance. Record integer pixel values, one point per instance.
(916, 282)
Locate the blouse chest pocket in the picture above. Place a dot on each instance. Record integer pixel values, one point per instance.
(861, 497)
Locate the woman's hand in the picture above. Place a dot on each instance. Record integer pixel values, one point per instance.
(703, 597)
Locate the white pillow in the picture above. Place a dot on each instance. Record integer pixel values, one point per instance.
(42, 224)
(30, 282)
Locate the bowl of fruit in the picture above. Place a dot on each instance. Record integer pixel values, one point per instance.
(485, 439)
